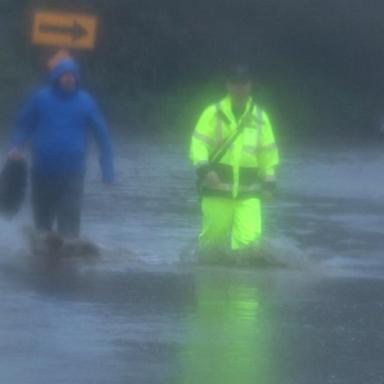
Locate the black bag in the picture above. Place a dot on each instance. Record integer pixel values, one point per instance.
(13, 184)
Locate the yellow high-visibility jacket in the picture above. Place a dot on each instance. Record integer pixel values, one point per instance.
(251, 159)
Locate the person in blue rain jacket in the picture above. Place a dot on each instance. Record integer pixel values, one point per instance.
(56, 124)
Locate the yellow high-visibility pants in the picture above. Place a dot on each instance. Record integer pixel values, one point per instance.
(226, 221)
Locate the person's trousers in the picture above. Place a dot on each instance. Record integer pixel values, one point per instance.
(230, 223)
(57, 199)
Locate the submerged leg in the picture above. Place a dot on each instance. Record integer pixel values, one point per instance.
(44, 202)
(247, 229)
(217, 221)
(69, 207)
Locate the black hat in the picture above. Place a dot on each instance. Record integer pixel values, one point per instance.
(239, 74)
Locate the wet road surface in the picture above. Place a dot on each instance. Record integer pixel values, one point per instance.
(139, 315)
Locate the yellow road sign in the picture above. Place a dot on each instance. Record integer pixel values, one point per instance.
(64, 30)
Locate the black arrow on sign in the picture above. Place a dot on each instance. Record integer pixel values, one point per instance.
(76, 31)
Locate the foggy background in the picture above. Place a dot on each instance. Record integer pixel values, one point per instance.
(318, 64)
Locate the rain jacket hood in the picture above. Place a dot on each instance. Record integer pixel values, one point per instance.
(64, 66)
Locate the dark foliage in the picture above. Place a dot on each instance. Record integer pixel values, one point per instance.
(318, 64)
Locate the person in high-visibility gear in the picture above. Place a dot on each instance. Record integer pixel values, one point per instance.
(234, 152)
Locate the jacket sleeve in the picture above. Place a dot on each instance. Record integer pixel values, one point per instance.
(101, 132)
(203, 138)
(268, 153)
(25, 124)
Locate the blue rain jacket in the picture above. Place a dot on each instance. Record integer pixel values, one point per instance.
(57, 124)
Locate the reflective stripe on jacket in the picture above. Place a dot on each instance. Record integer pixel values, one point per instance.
(251, 158)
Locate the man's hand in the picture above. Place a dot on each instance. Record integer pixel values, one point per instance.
(212, 180)
(15, 154)
(268, 191)
(107, 181)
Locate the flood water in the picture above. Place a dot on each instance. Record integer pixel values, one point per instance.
(139, 315)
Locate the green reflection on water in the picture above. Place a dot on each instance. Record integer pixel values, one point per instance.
(230, 333)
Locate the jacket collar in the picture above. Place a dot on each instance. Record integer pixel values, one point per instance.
(226, 107)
